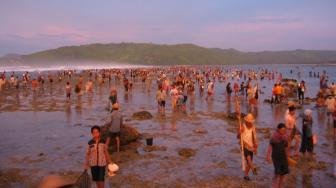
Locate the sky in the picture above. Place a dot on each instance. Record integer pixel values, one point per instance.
(28, 26)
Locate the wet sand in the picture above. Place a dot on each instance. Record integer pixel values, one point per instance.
(42, 134)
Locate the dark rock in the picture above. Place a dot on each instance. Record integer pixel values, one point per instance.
(186, 152)
(128, 135)
(200, 131)
(154, 148)
(221, 165)
(233, 116)
(142, 115)
(288, 80)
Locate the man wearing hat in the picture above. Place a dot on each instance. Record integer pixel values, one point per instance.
(115, 125)
(250, 144)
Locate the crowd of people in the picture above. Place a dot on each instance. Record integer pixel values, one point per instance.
(179, 84)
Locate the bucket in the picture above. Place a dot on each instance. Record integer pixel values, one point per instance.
(149, 141)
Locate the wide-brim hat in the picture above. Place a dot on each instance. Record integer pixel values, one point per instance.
(249, 118)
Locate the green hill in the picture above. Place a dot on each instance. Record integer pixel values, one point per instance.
(183, 54)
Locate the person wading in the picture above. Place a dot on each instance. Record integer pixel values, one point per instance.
(277, 149)
(115, 126)
(250, 144)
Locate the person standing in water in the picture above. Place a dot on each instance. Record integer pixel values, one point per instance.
(174, 93)
(307, 133)
(301, 91)
(68, 91)
(277, 149)
(290, 119)
(228, 91)
(210, 92)
(112, 99)
(161, 99)
(97, 157)
(115, 126)
(250, 144)
(89, 86)
(330, 103)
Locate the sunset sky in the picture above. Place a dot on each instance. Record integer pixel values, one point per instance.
(247, 25)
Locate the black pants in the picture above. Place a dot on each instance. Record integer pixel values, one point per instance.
(301, 95)
(307, 144)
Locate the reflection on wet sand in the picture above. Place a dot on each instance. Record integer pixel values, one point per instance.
(204, 127)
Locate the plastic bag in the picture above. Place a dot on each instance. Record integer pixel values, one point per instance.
(84, 180)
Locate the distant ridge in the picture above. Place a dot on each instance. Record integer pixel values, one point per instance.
(159, 54)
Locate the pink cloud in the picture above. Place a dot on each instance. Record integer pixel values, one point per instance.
(69, 33)
(275, 19)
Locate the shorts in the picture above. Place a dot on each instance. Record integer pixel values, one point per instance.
(248, 153)
(98, 173)
(329, 113)
(280, 169)
(68, 95)
(114, 134)
(162, 103)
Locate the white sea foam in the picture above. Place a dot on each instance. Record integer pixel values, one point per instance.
(68, 67)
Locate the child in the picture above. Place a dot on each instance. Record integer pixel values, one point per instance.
(97, 157)
(68, 90)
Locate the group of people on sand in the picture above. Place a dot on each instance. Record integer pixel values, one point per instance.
(179, 85)
(279, 148)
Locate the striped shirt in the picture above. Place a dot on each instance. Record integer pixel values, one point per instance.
(97, 153)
